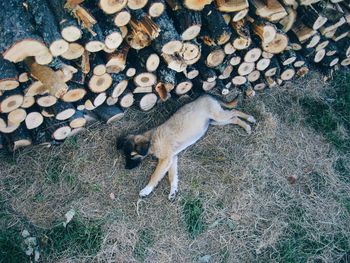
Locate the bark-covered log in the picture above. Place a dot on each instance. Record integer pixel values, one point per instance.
(57, 130)
(300, 61)
(126, 100)
(239, 15)
(302, 32)
(287, 57)
(341, 32)
(19, 138)
(75, 51)
(344, 47)
(183, 86)
(94, 100)
(61, 110)
(148, 59)
(264, 30)
(77, 120)
(212, 55)
(116, 61)
(47, 25)
(241, 34)
(16, 116)
(311, 17)
(175, 62)
(69, 28)
(302, 71)
(254, 76)
(253, 54)
(273, 68)
(215, 25)
(238, 79)
(109, 114)
(271, 10)
(166, 77)
(188, 23)
(18, 37)
(260, 84)
(330, 61)
(331, 49)
(262, 64)
(45, 101)
(169, 41)
(245, 68)
(119, 84)
(8, 75)
(287, 73)
(191, 72)
(28, 101)
(288, 21)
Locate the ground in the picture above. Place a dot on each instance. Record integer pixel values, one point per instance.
(281, 194)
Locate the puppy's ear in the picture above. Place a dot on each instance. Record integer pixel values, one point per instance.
(121, 142)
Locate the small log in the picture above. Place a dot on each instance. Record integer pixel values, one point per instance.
(287, 73)
(10, 100)
(311, 17)
(111, 7)
(253, 54)
(122, 18)
(254, 76)
(288, 21)
(70, 30)
(238, 80)
(110, 101)
(278, 44)
(212, 55)
(344, 47)
(46, 101)
(146, 101)
(300, 61)
(271, 10)
(241, 34)
(101, 83)
(46, 24)
(313, 41)
(215, 25)
(260, 84)
(191, 72)
(245, 68)
(262, 64)
(148, 59)
(273, 68)
(109, 114)
(270, 81)
(97, 64)
(169, 41)
(190, 52)
(345, 62)
(94, 42)
(302, 71)
(119, 85)
(287, 57)
(302, 32)
(341, 32)
(74, 51)
(126, 100)
(175, 62)
(116, 61)
(155, 8)
(75, 92)
(58, 130)
(205, 73)
(137, 4)
(77, 120)
(235, 60)
(188, 23)
(16, 116)
(183, 86)
(144, 78)
(229, 49)
(264, 30)
(19, 138)
(8, 75)
(166, 78)
(331, 49)
(239, 15)
(33, 119)
(231, 5)
(330, 61)
(61, 110)
(94, 100)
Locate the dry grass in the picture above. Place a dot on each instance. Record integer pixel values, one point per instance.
(278, 195)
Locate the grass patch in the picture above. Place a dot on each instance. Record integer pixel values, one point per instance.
(77, 238)
(326, 116)
(11, 250)
(146, 240)
(193, 216)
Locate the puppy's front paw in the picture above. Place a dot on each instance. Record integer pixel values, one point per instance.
(248, 129)
(146, 191)
(172, 195)
(251, 119)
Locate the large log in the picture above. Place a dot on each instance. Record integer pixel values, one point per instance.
(109, 114)
(231, 5)
(18, 37)
(8, 75)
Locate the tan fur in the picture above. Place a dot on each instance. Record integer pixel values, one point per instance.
(181, 130)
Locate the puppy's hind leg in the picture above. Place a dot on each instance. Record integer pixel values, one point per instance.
(242, 124)
(173, 179)
(161, 169)
(244, 116)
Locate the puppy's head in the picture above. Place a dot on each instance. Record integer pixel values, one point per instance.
(135, 148)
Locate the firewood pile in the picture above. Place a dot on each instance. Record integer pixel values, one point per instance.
(65, 60)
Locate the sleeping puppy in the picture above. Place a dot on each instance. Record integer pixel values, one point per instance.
(183, 129)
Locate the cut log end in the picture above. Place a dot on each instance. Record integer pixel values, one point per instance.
(191, 32)
(25, 48)
(8, 84)
(61, 133)
(183, 87)
(112, 6)
(172, 47)
(11, 103)
(148, 101)
(33, 120)
(277, 45)
(113, 40)
(74, 51)
(145, 79)
(71, 33)
(101, 83)
(59, 47)
(94, 46)
(17, 116)
(156, 9)
(152, 62)
(122, 18)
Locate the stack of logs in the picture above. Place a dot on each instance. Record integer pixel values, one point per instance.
(65, 60)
